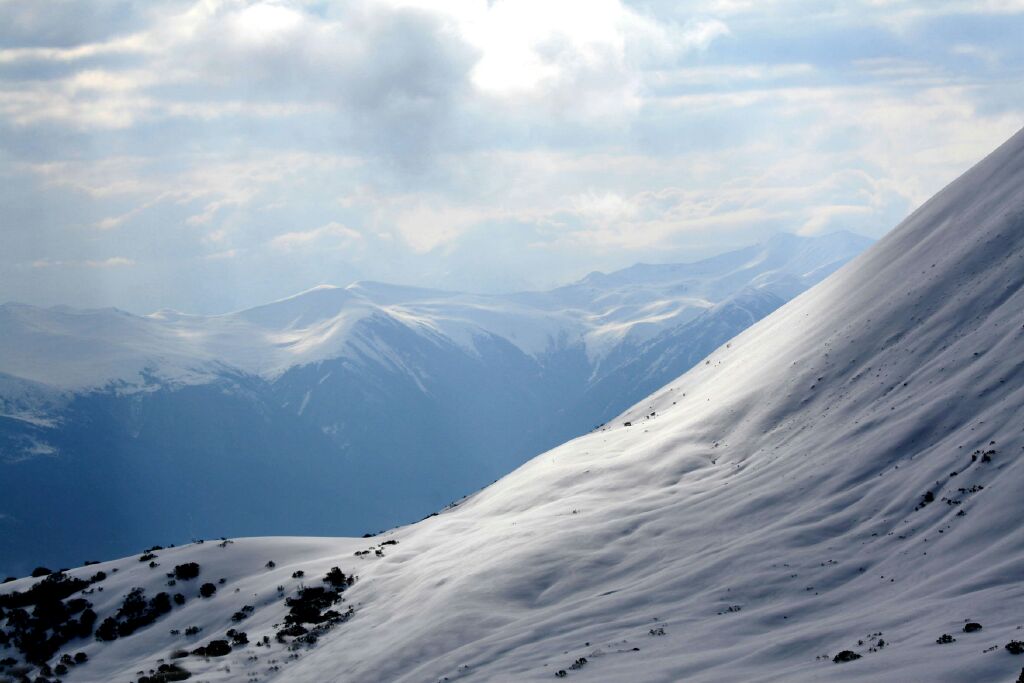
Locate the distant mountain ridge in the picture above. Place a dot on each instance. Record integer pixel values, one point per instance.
(389, 401)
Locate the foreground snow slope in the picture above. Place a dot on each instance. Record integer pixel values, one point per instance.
(764, 511)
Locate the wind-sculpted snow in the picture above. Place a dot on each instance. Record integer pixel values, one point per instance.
(834, 494)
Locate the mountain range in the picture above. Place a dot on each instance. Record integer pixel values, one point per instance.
(832, 494)
(340, 410)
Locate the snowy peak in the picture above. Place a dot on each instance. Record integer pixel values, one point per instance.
(782, 253)
(92, 349)
(300, 311)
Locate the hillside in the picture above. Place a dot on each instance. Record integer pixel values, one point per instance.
(843, 476)
(339, 410)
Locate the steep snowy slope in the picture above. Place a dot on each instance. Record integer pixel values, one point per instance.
(846, 475)
(769, 507)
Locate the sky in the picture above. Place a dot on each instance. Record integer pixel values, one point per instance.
(212, 155)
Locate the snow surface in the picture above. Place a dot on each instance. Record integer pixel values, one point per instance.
(763, 509)
(80, 350)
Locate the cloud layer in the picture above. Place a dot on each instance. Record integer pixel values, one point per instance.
(212, 154)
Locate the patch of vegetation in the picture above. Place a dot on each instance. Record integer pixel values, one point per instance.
(971, 627)
(1015, 647)
(135, 613)
(335, 577)
(207, 590)
(53, 620)
(945, 639)
(215, 648)
(846, 656)
(238, 638)
(313, 605)
(166, 673)
(186, 572)
(242, 613)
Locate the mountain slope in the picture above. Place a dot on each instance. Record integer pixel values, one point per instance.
(783, 477)
(381, 403)
(844, 475)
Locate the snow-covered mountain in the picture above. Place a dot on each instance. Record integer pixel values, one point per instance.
(339, 410)
(834, 494)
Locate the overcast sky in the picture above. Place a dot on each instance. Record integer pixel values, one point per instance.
(212, 155)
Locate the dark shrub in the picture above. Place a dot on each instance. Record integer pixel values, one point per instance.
(217, 648)
(107, 630)
(167, 673)
(207, 590)
(187, 571)
(845, 656)
(40, 571)
(337, 578)
(238, 638)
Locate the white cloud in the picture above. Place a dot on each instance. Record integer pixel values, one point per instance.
(330, 236)
(427, 138)
(425, 228)
(112, 262)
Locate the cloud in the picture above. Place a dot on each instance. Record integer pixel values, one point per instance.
(112, 262)
(330, 236)
(243, 149)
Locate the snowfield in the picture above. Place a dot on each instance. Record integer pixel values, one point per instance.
(847, 474)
